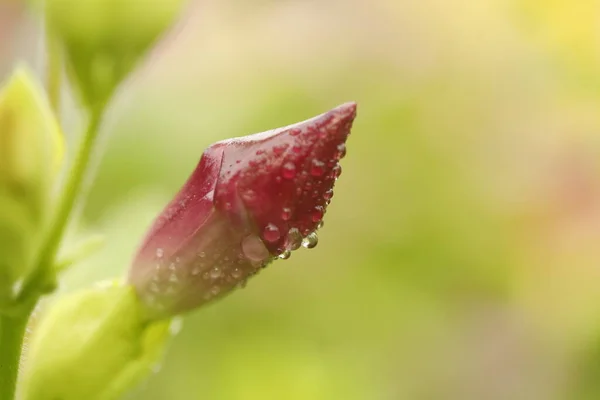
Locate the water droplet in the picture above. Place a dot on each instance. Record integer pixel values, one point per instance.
(172, 266)
(259, 152)
(159, 252)
(328, 194)
(236, 273)
(205, 276)
(201, 254)
(317, 168)
(310, 241)
(280, 149)
(294, 132)
(173, 278)
(215, 272)
(196, 271)
(215, 290)
(340, 152)
(317, 214)
(294, 239)
(337, 171)
(285, 255)
(286, 214)
(228, 206)
(249, 195)
(254, 249)
(288, 171)
(271, 233)
(320, 224)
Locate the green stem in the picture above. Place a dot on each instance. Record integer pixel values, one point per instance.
(63, 211)
(12, 331)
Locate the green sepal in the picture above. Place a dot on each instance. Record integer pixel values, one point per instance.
(94, 344)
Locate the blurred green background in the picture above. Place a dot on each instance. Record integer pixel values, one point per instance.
(460, 258)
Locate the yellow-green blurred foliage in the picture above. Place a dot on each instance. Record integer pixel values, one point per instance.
(460, 258)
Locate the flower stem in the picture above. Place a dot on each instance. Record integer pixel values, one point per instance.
(12, 331)
(63, 211)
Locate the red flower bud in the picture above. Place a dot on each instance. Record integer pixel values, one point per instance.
(248, 201)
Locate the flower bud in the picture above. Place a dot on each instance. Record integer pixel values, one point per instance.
(93, 344)
(31, 148)
(103, 39)
(250, 199)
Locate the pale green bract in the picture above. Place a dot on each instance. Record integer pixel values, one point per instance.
(94, 344)
(31, 150)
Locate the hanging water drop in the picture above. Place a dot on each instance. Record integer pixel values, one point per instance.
(337, 171)
(159, 252)
(310, 241)
(293, 239)
(340, 152)
(285, 255)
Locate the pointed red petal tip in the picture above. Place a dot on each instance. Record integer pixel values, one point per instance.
(281, 181)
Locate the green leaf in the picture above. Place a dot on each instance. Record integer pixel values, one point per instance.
(94, 344)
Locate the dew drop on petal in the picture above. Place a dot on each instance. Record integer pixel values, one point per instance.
(280, 149)
(286, 214)
(254, 249)
(159, 252)
(271, 233)
(320, 224)
(328, 194)
(310, 241)
(215, 272)
(288, 171)
(317, 214)
(236, 273)
(317, 168)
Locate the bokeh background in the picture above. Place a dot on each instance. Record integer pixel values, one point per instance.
(460, 258)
